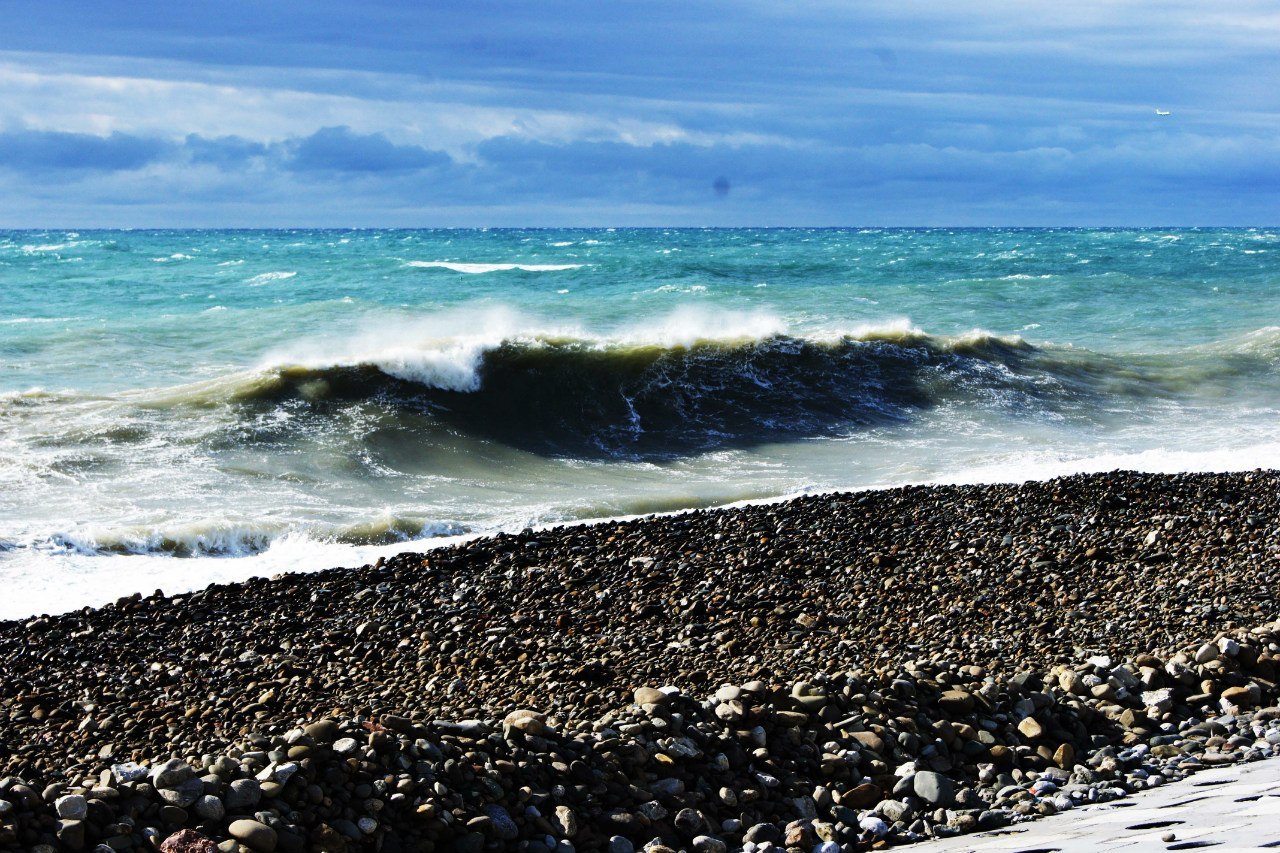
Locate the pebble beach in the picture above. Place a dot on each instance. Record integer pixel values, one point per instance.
(839, 672)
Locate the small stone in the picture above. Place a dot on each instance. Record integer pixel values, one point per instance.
(862, 796)
(184, 794)
(689, 822)
(1030, 728)
(620, 844)
(1161, 700)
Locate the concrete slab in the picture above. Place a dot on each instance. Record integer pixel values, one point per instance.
(1225, 810)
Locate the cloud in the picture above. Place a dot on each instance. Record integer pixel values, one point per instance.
(338, 149)
(225, 152)
(38, 150)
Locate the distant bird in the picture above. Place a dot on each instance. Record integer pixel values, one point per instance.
(1162, 112)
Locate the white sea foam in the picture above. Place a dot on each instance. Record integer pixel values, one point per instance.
(268, 277)
(475, 269)
(55, 581)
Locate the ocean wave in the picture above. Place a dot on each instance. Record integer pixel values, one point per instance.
(609, 397)
(236, 538)
(475, 269)
(687, 383)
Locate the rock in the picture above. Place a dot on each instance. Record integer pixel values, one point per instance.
(172, 773)
(128, 771)
(565, 822)
(1161, 700)
(709, 844)
(956, 702)
(72, 807)
(256, 836)
(934, 788)
(689, 822)
(322, 731)
(527, 721)
(183, 794)
(504, 827)
(242, 794)
(188, 841)
(210, 808)
(650, 696)
(1030, 728)
(619, 844)
(1238, 697)
(871, 741)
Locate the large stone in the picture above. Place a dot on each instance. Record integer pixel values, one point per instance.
(934, 788)
(504, 827)
(72, 807)
(242, 794)
(527, 721)
(256, 836)
(172, 773)
(188, 841)
(650, 696)
(956, 701)
(565, 822)
(210, 808)
(871, 741)
(184, 794)
(322, 731)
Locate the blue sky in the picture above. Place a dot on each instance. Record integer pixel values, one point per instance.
(658, 113)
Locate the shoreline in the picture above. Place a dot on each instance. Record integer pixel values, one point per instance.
(1221, 461)
(995, 638)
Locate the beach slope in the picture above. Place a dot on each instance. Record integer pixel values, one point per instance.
(838, 672)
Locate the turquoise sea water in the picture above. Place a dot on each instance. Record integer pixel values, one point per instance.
(178, 407)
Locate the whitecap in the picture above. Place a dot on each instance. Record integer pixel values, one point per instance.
(267, 277)
(474, 269)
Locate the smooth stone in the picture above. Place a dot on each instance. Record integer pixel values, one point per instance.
(242, 794)
(650, 696)
(934, 788)
(254, 835)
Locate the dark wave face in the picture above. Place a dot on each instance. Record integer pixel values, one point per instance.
(575, 398)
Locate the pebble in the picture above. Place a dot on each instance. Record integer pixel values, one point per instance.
(762, 676)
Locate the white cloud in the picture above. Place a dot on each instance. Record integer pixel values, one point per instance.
(434, 116)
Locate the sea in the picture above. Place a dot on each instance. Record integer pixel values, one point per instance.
(179, 408)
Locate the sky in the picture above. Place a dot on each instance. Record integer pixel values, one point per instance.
(573, 113)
